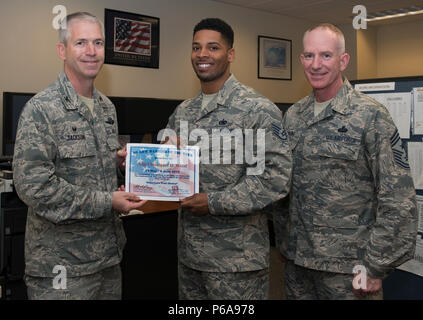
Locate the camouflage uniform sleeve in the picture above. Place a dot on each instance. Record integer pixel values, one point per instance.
(393, 235)
(171, 128)
(120, 173)
(280, 213)
(171, 124)
(34, 175)
(255, 191)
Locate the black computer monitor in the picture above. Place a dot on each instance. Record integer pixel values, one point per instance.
(135, 115)
(13, 103)
(143, 115)
(283, 106)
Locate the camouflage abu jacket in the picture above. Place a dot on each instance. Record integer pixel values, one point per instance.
(352, 199)
(64, 169)
(234, 236)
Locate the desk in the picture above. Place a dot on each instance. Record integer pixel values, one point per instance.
(152, 206)
(150, 262)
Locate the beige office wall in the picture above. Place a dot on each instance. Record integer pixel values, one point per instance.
(391, 50)
(367, 51)
(350, 47)
(29, 61)
(399, 49)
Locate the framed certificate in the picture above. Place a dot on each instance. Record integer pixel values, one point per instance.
(162, 172)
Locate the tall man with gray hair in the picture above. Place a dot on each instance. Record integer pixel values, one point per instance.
(65, 166)
(352, 199)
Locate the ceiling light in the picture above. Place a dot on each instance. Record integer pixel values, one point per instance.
(389, 14)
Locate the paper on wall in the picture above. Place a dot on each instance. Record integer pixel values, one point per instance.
(399, 107)
(415, 159)
(418, 110)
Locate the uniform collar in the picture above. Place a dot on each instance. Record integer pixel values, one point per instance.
(220, 101)
(223, 93)
(340, 102)
(68, 94)
(226, 90)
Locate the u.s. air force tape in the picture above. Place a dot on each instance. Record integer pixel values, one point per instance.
(400, 156)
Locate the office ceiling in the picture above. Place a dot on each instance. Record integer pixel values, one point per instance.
(333, 11)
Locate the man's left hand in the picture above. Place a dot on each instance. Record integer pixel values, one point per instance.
(373, 286)
(121, 158)
(197, 204)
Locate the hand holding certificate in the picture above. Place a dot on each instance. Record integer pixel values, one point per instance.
(162, 172)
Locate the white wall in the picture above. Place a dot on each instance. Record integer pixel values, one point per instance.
(29, 61)
(350, 36)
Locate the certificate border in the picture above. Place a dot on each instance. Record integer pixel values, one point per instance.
(164, 146)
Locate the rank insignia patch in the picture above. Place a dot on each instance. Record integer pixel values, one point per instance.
(279, 132)
(400, 156)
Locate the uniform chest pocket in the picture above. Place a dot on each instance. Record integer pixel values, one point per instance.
(293, 141)
(76, 149)
(77, 162)
(112, 143)
(334, 150)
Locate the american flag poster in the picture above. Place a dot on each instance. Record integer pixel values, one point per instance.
(131, 39)
(132, 36)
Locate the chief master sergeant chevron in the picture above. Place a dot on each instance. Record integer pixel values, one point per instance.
(65, 169)
(352, 200)
(223, 240)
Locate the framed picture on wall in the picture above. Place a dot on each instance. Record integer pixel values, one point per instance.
(131, 39)
(274, 58)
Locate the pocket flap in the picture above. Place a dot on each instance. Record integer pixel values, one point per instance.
(337, 150)
(348, 222)
(75, 149)
(113, 143)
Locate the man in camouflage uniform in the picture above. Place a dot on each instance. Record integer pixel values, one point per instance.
(352, 200)
(65, 169)
(223, 240)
